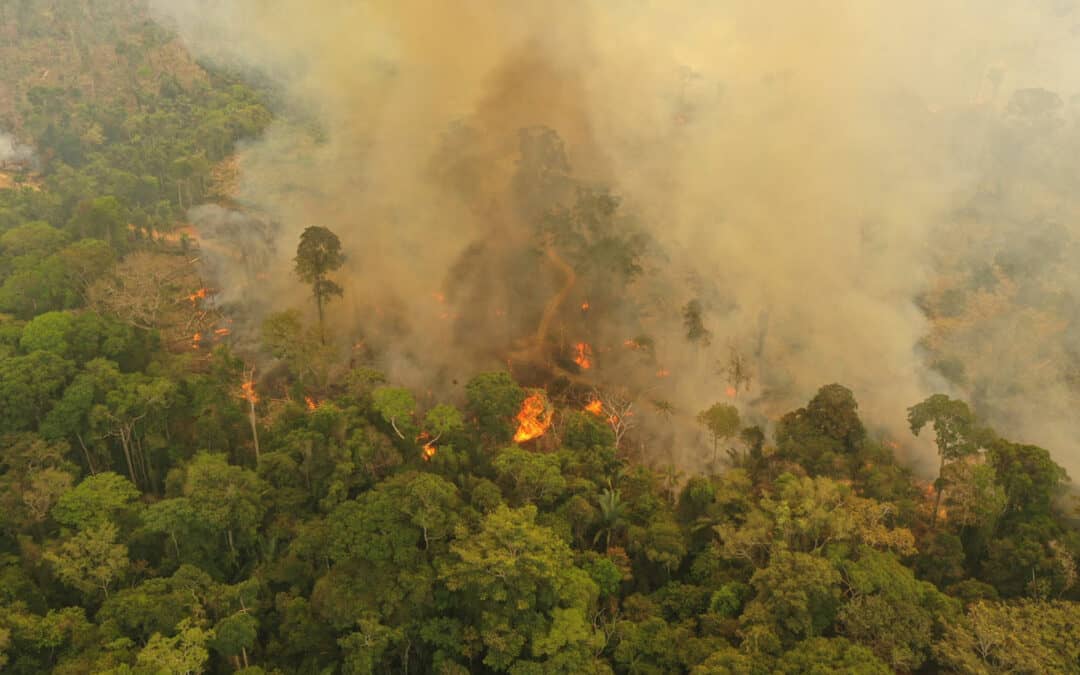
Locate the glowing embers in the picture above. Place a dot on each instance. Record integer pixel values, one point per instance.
(583, 355)
(196, 340)
(312, 404)
(534, 418)
(595, 406)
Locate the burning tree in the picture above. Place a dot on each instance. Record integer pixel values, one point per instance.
(736, 370)
(534, 418)
(318, 254)
(617, 408)
(247, 392)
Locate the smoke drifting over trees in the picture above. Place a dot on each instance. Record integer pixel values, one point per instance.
(868, 192)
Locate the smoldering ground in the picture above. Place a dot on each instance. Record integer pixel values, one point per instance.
(821, 176)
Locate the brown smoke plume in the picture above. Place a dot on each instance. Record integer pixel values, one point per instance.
(799, 167)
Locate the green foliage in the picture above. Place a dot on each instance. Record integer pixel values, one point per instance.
(954, 425)
(92, 560)
(183, 654)
(318, 254)
(1026, 637)
(28, 387)
(516, 583)
(530, 478)
(825, 656)
(141, 533)
(397, 406)
(493, 400)
(95, 501)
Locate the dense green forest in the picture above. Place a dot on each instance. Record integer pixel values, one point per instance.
(163, 510)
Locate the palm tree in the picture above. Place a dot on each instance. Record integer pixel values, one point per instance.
(671, 477)
(612, 516)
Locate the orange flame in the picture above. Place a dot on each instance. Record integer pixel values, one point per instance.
(583, 355)
(428, 450)
(595, 407)
(312, 404)
(198, 295)
(630, 344)
(247, 392)
(534, 418)
(220, 332)
(195, 340)
(731, 392)
(585, 306)
(663, 372)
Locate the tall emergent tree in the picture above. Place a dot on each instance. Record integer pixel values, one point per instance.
(318, 254)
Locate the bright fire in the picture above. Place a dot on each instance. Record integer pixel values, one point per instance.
(428, 450)
(585, 306)
(247, 391)
(220, 332)
(195, 340)
(312, 404)
(583, 356)
(731, 392)
(595, 407)
(198, 295)
(534, 418)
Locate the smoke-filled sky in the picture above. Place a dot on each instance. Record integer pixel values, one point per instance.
(815, 172)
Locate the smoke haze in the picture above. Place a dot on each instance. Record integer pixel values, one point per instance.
(822, 176)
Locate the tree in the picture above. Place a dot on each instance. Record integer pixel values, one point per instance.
(612, 517)
(831, 656)
(493, 400)
(956, 433)
(92, 560)
(397, 406)
(529, 477)
(516, 583)
(228, 498)
(302, 349)
(318, 254)
(96, 500)
(1030, 477)
(1026, 637)
(826, 436)
(797, 597)
(183, 654)
(722, 421)
(28, 386)
(694, 325)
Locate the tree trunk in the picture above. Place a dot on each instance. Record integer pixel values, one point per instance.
(938, 489)
(254, 429)
(319, 304)
(124, 445)
(86, 453)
